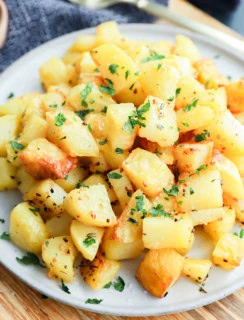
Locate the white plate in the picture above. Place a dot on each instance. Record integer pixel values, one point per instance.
(22, 77)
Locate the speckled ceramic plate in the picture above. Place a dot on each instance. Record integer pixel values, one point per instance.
(22, 77)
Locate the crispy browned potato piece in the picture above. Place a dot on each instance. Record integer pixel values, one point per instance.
(159, 271)
(235, 96)
(42, 159)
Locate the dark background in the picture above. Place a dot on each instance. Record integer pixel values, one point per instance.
(230, 12)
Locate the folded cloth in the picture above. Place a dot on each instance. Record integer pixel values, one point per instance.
(33, 22)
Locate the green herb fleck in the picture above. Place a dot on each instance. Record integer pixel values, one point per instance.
(185, 124)
(191, 191)
(132, 220)
(119, 151)
(30, 259)
(64, 287)
(171, 99)
(103, 142)
(127, 73)
(89, 240)
(59, 119)
(202, 136)
(136, 118)
(178, 90)
(108, 285)
(191, 105)
(104, 110)
(153, 56)
(85, 93)
(89, 127)
(16, 146)
(119, 285)
(11, 95)
(5, 236)
(173, 192)
(139, 206)
(158, 211)
(202, 167)
(240, 235)
(113, 68)
(83, 113)
(109, 89)
(114, 175)
(53, 106)
(34, 210)
(94, 301)
(80, 184)
(159, 66)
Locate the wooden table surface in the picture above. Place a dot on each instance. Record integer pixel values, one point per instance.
(20, 302)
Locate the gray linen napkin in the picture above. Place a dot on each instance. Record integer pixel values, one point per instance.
(33, 22)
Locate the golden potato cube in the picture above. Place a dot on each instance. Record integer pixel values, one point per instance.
(117, 117)
(72, 136)
(15, 106)
(168, 204)
(157, 231)
(192, 156)
(7, 174)
(24, 180)
(54, 100)
(97, 124)
(27, 229)
(71, 57)
(164, 153)
(184, 251)
(159, 122)
(97, 178)
(194, 118)
(116, 65)
(43, 159)
(195, 189)
(159, 271)
(59, 225)
(216, 229)
(59, 255)
(163, 80)
(34, 128)
(209, 75)
(99, 164)
(147, 172)
(122, 187)
(99, 272)
(62, 89)
(185, 47)
(196, 269)
(187, 89)
(182, 65)
(9, 126)
(228, 252)
(238, 160)
(203, 217)
(237, 205)
(116, 249)
(129, 225)
(108, 32)
(83, 43)
(53, 72)
(86, 238)
(235, 96)
(70, 181)
(231, 179)
(48, 196)
(85, 63)
(14, 149)
(134, 94)
(114, 157)
(90, 206)
(214, 99)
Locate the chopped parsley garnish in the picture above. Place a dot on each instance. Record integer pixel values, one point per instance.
(137, 73)
(96, 70)
(11, 95)
(16, 146)
(132, 86)
(89, 127)
(64, 287)
(89, 240)
(30, 259)
(94, 301)
(66, 177)
(178, 90)
(127, 73)
(153, 56)
(191, 105)
(185, 124)
(34, 210)
(157, 152)
(80, 184)
(53, 106)
(191, 191)
(5, 236)
(202, 167)
(202, 136)
(139, 207)
(114, 175)
(108, 285)
(113, 68)
(159, 66)
(119, 285)
(202, 290)
(158, 211)
(104, 110)
(182, 181)
(171, 99)
(85, 93)
(109, 89)
(103, 142)
(119, 151)
(2, 220)
(173, 192)
(83, 113)
(59, 119)
(132, 220)
(240, 235)
(136, 118)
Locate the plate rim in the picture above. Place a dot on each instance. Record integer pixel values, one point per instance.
(100, 308)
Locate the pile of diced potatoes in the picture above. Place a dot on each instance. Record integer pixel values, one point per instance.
(132, 147)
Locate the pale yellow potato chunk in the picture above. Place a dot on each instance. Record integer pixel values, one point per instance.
(191, 156)
(7, 174)
(185, 47)
(235, 96)
(15, 106)
(9, 126)
(86, 238)
(204, 217)
(99, 163)
(99, 272)
(214, 99)
(108, 55)
(216, 229)
(159, 271)
(134, 94)
(159, 121)
(73, 136)
(115, 126)
(147, 172)
(157, 231)
(97, 123)
(237, 205)
(114, 159)
(238, 160)
(14, 149)
(195, 189)
(24, 180)
(59, 225)
(108, 32)
(232, 183)
(196, 269)
(34, 128)
(229, 252)
(116, 249)
(184, 251)
(83, 43)
(90, 206)
(59, 255)
(27, 229)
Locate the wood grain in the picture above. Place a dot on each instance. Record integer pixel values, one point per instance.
(20, 302)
